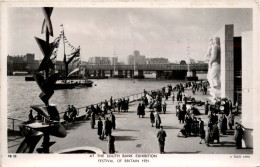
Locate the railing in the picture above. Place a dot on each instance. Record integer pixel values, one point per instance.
(132, 98)
(13, 124)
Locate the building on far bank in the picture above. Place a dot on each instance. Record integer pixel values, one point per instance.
(103, 60)
(136, 58)
(157, 60)
(99, 60)
(21, 63)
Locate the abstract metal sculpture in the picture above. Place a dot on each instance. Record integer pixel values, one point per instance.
(50, 124)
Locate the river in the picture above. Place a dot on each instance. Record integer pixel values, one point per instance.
(22, 94)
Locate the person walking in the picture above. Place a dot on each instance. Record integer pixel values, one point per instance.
(164, 107)
(208, 135)
(161, 139)
(238, 135)
(100, 128)
(92, 122)
(215, 132)
(152, 118)
(111, 144)
(139, 110)
(113, 120)
(230, 120)
(108, 126)
(173, 97)
(223, 124)
(157, 120)
(236, 105)
(201, 131)
(206, 108)
(230, 106)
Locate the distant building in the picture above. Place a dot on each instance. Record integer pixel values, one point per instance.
(29, 58)
(100, 60)
(136, 58)
(114, 60)
(21, 63)
(201, 62)
(157, 61)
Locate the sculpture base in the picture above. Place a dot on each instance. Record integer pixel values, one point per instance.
(247, 138)
(215, 93)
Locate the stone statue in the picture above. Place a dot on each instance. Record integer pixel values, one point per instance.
(213, 56)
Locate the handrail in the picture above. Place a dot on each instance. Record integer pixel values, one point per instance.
(138, 95)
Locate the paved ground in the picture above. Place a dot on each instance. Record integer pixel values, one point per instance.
(135, 135)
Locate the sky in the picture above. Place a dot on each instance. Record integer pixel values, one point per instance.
(105, 32)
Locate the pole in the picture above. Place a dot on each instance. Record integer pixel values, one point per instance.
(64, 60)
(46, 138)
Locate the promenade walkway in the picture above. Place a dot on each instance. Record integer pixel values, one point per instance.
(135, 135)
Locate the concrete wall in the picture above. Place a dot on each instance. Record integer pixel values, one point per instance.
(247, 87)
(226, 34)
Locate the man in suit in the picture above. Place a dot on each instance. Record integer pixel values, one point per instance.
(111, 144)
(201, 124)
(113, 120)
(206, 108)
(161, 139)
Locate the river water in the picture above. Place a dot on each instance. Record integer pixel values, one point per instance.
(22, 94)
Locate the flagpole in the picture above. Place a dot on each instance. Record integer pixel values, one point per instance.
(64, 59)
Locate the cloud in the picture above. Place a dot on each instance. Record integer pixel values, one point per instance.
(154, 31)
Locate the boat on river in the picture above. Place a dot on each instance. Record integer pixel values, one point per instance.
(72, 59)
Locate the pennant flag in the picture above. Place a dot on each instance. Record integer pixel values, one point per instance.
(72, 72)
(47, 21)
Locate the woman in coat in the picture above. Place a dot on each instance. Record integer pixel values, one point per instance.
(157, 120)
(238, 135)
(92, 122)
(100, 128)
(152, 118)
(139, 110)
(208, 135)
(224, 124)
(230, 120)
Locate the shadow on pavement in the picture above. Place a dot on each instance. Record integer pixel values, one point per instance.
(182, 152)
(73, 126)
(171, 127)
(124, 138)
(224, 144)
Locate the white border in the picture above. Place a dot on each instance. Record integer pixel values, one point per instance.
(162, 160)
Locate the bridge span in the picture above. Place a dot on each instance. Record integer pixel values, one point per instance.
(178, 71)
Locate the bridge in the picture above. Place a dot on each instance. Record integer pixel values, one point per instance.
(178, 71)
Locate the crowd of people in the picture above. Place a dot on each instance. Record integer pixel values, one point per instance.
(215, 125)
(218, 120)
(70, 114)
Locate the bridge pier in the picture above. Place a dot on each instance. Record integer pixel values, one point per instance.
(103, 73)
(120, 73)
(87, 73)
(125, 74)
(179, 74)
(140, 74)
(111, 73)
(131, 73)
(159, 74)
(99, 73)
(95, 73)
